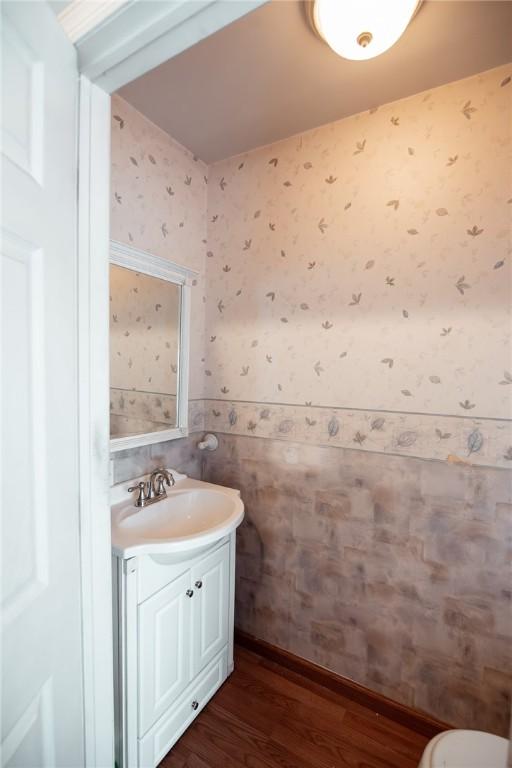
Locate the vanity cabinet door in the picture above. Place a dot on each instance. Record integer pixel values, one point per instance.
(164, 649)
(210, 582)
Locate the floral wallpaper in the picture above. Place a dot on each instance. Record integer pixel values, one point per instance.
(144, 332)
(158, 204)
(366, 264)
(358, 276)
(144, 341)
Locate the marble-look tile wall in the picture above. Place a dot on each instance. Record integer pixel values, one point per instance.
(390, 570)
(181, 454)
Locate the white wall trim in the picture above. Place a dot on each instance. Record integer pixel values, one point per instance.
(80, 17)
(143, 261)
(93, 313)
(148, 438)
(125, 45)
(142, 35)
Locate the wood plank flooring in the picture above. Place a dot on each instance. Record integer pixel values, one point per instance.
(265, 716)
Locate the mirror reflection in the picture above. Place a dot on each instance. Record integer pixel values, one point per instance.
(144, 352)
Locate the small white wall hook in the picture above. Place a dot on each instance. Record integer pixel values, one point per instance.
(209, 443)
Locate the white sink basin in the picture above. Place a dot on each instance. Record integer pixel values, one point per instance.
(193, 516)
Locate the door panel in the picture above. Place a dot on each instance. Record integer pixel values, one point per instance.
(164, 640)
(23, 118)
(210, 607)
(41, 632)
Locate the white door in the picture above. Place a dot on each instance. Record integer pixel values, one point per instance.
(164, 652)
(42, 717)
(209, 607)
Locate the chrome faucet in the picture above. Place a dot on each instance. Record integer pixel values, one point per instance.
(156, 483)
(154, 489)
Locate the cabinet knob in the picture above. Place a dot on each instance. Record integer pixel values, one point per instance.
(189, 592)
(195, 704)
(198, 584)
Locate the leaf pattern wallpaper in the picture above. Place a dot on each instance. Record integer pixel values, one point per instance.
(356, 275)
(158, 204)
(366, 264)
(144, 343)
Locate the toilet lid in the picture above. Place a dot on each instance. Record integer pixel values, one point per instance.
(468, 749)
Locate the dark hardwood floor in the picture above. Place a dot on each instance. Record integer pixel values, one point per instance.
(266, 716)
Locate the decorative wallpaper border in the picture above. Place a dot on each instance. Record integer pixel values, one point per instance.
(483, 442)
(152, 406)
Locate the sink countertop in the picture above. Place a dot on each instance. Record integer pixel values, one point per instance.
(130, 539)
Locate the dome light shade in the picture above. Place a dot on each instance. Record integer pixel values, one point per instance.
(362, 29)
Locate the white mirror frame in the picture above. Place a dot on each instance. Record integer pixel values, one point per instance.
(141, 261)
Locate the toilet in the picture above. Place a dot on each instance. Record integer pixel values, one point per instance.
(465, 749)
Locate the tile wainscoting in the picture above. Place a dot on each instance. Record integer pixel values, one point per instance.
(390, 570)
(181, 454)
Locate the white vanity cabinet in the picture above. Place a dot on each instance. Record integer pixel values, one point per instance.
(174, 645)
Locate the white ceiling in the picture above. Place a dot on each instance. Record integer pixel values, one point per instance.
(268, 76)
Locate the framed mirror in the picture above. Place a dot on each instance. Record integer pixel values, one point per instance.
(149, 348)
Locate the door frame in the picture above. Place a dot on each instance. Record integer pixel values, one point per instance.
(134, 38)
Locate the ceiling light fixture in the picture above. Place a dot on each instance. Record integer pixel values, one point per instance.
(362, 29)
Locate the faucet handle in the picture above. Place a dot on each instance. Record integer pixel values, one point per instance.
(142, 498)
(164, 477)
(158, 478)
(160, 490)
